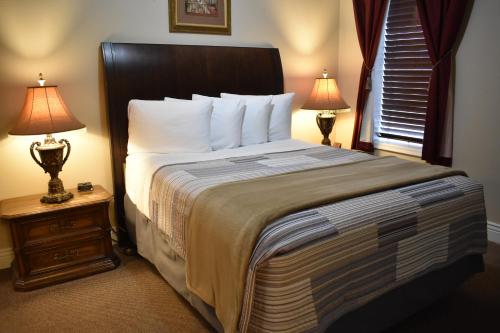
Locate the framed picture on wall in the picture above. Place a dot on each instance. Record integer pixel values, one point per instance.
(200, 16)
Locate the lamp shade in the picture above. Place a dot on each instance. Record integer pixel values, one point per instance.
(44, 112)
(325, 95)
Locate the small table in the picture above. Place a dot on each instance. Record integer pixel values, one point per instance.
(59, 242)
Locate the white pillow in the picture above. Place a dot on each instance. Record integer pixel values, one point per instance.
(226, 121)
(168, 126)
(280, 126)
(255, 128)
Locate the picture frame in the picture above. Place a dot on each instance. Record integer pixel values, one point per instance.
(200, 16)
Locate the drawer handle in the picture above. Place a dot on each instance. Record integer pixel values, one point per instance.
(66, 255)
(62, 225)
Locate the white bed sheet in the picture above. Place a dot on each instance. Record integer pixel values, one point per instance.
(140, 167)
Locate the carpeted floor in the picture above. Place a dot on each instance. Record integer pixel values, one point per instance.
(134, 298)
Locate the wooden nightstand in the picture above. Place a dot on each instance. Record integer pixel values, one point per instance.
(59, 242)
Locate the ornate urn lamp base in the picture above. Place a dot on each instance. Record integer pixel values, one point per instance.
(325, 123)
(51, 161)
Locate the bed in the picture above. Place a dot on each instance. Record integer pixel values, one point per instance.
(359, 264)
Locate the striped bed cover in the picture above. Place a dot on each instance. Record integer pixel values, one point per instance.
(311, 267)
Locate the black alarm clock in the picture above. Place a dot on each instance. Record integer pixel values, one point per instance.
(85, 187)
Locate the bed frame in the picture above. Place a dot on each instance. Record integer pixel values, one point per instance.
(153, 71)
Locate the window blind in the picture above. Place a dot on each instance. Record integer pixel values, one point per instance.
(406, 74)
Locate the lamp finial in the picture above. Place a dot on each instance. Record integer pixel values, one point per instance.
(325, 73)
(41, 80)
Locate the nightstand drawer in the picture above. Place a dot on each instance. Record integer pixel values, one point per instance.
(85, 220)
(62, 257)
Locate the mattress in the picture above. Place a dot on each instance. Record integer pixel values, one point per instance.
(312, 267)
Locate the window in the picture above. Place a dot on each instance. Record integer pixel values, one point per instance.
(404, 78)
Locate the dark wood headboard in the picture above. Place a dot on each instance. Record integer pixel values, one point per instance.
(154, 71)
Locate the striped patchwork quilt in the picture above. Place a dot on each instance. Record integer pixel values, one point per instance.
(174, 187)
(311, 267)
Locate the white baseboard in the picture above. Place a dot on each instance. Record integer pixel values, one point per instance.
(494, 232)
(6, 257)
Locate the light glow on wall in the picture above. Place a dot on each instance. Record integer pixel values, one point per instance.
(307, 30)
(308, 39)
(304, 126)
(33, 36)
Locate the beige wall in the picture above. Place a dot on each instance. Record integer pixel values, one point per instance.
(61, 39)
(477, 100)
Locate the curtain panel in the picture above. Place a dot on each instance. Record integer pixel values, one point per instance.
(441, 23)
(369, 17)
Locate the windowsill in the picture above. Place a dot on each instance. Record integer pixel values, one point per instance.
(398, 146)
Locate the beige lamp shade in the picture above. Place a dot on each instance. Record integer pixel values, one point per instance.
(44, 112)
(326, 96)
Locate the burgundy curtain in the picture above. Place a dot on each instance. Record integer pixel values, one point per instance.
(369, 16)
(441, 22)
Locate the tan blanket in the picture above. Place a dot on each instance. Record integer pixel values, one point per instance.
(226, 220)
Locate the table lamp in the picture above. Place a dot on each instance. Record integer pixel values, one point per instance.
(325, 96)
(44, 112)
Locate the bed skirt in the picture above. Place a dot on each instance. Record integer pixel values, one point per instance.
(153, 247)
